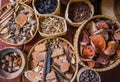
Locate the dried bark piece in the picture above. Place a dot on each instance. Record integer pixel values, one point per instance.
(39, 56)
(34, 64)
(50, 76)
(69, 75)
(98, 42)
(21, 19)
(33, 76)
(65, 67)
(41, 64)
(40, 47)
(57, 52)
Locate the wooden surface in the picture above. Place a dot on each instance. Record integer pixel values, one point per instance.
(108, 76)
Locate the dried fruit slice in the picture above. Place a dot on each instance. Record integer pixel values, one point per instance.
(21, 19)
(101, 24)
(117, 35)
(88, 51)
(91, 27)
(91, 64)
(98, 42)
(118, 53)
(85, 38)
(111, 48)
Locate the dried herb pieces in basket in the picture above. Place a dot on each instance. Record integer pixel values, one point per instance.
(18, 23)
(11, 62)
(79, 11)
(46, 6)
(52, 25)
(53, 59)
(99, 43)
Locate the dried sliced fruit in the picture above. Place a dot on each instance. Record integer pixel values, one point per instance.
(91, 27)
(98, 42)
(91, 64)
(118, 53)
(102, 24)
(88, 51)
(111, 48)
(103, 59)
(117, 35)
(85, 38)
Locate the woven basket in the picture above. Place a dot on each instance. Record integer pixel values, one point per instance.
(56, 12)
(76, 37)
(6, 75)
(29, 55)
(52, 34)
(67, 12)
(35, 19)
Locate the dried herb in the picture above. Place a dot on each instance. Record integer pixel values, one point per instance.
(46, 6)
(51, 25)
(79, 11)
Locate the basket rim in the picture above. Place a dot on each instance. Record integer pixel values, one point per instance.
(31, 50)
(77, 34)
(7, 42)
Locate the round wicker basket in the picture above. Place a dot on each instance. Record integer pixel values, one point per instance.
(52, 34)
(56, 12)
(76, 38)
(29, 55)
(6, 75)
(22, 4)
(67, 10)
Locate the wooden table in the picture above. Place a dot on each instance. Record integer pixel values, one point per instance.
(108, 76)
